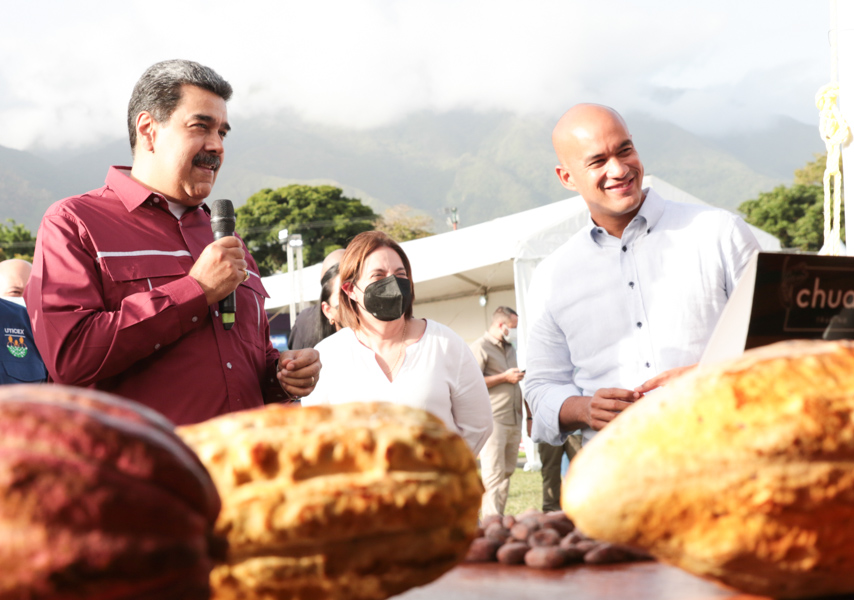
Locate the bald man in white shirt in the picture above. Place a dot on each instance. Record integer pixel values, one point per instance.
(630, 301)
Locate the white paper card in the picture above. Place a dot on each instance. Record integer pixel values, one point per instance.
(730, 334)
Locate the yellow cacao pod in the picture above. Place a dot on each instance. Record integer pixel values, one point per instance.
(352, 501)
(741, 472)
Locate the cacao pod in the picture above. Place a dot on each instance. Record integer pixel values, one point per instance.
(99, 499)
(355, 501)
(741, 472)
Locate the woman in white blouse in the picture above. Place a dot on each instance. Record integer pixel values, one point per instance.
(385, 354)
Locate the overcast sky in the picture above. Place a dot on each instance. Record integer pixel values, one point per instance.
(67, 68)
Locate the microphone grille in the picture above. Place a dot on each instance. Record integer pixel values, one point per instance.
(222, 216)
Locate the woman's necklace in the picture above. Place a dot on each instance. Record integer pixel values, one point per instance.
(399, 353)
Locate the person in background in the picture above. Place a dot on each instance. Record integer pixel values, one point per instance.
(630, 301)
(552, 471)
(14, 275)
(330, 286)
(127, 279)
(306, 331)
(496, 358)
(21, 362)
(386, 354)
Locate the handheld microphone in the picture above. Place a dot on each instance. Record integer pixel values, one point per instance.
(222, 223)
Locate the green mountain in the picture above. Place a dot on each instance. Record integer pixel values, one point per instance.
(486, 165)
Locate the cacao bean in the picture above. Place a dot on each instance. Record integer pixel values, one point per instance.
(562, 527)
(573, 554)
(605, 553)
(576, 536)
(522, 530)
(544, 537)
(496, 531)
(513, 553)
(545, 557)
(482, 550)
(587, 545)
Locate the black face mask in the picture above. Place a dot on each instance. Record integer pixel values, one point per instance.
(387, 299)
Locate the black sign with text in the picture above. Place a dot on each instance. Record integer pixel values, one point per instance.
(801, 296)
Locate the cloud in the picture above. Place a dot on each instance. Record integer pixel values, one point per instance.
(66, 70)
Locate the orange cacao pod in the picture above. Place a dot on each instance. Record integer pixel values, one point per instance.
(741, 472)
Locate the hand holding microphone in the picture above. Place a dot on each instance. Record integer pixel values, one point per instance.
(222, 266)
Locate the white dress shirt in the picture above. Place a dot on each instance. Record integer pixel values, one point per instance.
(439, 374)
(612, 313)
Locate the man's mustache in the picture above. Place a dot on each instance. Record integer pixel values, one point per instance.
(204, 159)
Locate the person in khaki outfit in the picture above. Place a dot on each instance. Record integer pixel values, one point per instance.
(497, 359)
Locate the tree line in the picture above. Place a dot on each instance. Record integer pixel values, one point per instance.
(324, 218)
(795, 213)
(322, 215)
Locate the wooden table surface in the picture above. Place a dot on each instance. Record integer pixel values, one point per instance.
(625, 581)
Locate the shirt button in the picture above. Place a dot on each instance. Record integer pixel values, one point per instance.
(216, 313)
(600, 231)
(156, 200)
(648, 230)
(647, 365)
(157, 346)
(631, 284)
(640, 324)
(625, 248)
(195, 319)
(229, 365)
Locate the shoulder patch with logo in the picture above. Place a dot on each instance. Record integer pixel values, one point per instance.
(15, 342)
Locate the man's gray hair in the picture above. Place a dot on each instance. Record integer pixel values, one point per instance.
(158, 91)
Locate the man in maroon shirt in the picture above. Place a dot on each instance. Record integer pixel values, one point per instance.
(127, 278)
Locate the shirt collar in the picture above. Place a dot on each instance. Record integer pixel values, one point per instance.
(652, 208)
(650, 211)
(494, 340)
(132, 193)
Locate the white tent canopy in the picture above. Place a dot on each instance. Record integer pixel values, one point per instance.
(455, 271)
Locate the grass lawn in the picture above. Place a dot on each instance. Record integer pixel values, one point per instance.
(526, 491)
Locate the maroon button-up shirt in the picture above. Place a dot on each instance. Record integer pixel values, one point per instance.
(113, 307)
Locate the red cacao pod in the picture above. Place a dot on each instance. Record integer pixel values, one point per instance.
(99, 499)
